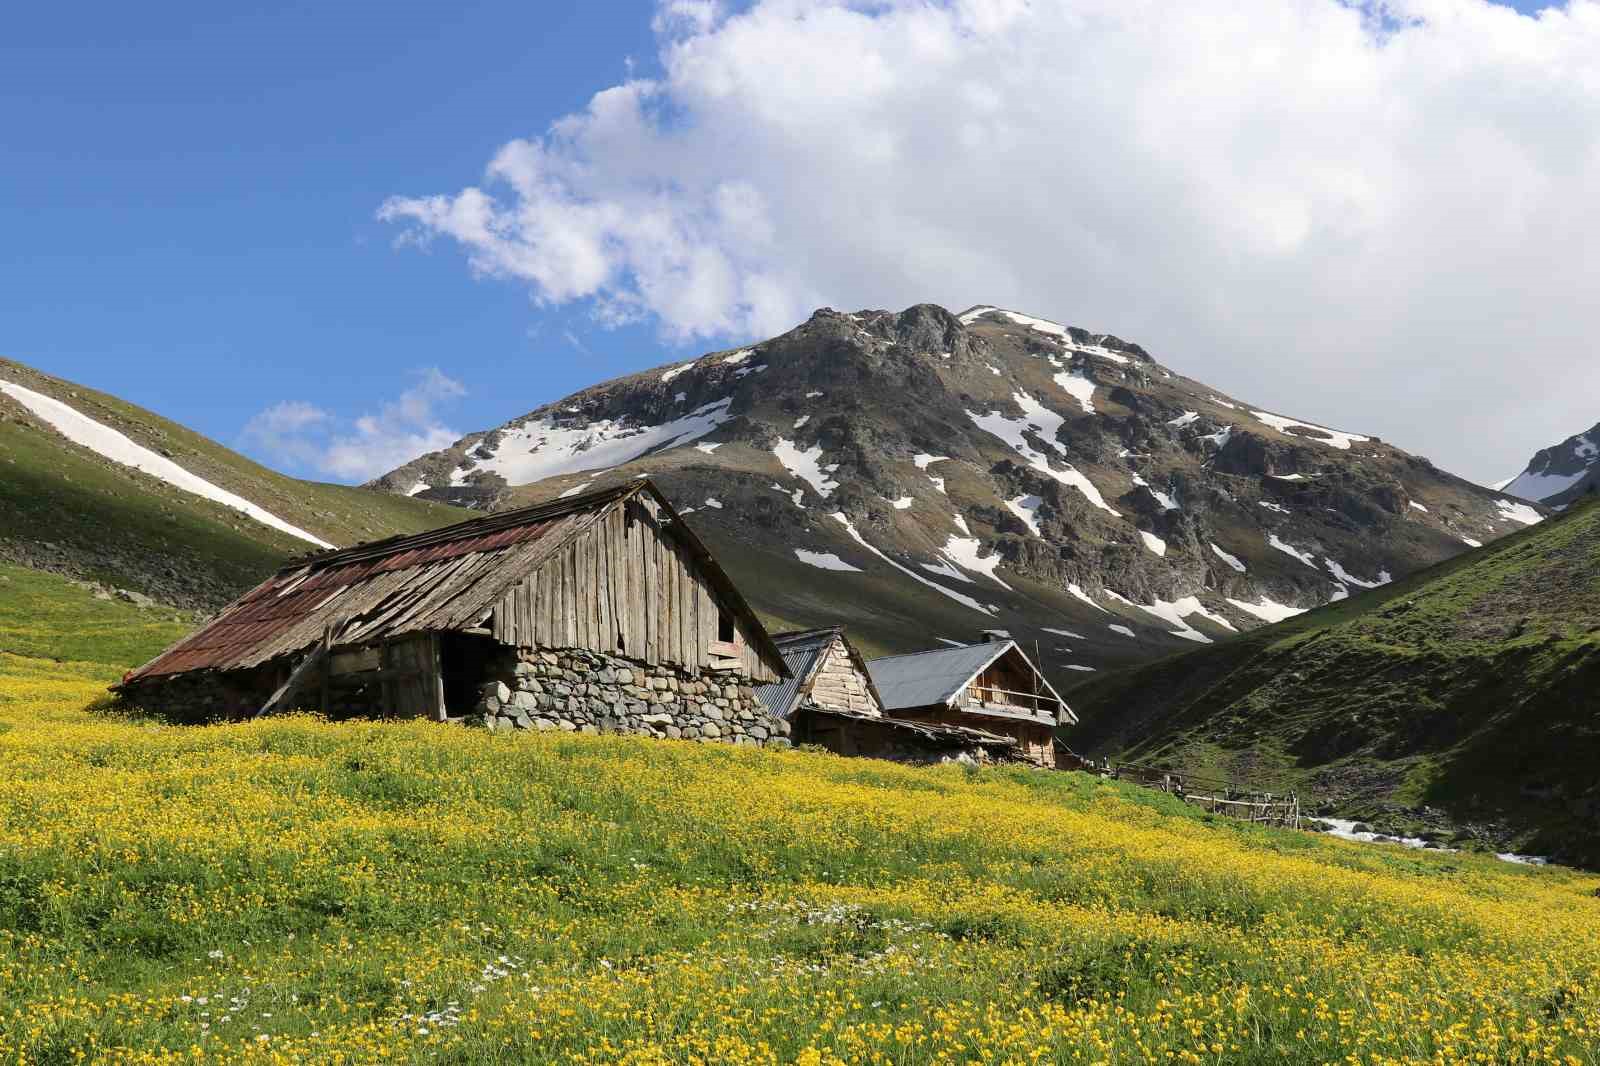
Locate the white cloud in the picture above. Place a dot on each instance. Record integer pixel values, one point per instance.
(308, 438)
(1384, 209)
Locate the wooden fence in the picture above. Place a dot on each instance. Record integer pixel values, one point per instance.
(1211, 794)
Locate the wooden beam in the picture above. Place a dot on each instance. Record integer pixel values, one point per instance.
(297, 676)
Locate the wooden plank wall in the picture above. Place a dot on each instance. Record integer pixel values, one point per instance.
(623, 587)
(838, 684)
(414, 690)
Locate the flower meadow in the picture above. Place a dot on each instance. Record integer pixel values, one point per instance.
(292, 890)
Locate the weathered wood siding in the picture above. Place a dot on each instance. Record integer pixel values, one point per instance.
(626, 586)
(414, 689)
(1035, 740)
(839, 683)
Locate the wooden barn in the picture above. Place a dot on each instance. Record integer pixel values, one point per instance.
(990, 686)
(600, 612)
(830, 700)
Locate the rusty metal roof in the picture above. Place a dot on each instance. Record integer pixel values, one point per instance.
(443, 579)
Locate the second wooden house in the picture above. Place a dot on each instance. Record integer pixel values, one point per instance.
(830, 700)
(990, 686)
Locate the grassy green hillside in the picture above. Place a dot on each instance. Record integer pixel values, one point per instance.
(297, 891)
(66, 508)
(1473, 687)
(46, 616)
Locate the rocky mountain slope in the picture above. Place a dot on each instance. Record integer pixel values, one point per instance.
(924, 475)
(111, 494)
(1464, 694)
(1558, 476)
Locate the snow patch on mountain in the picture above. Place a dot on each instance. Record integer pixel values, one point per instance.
(539, 448)
(1552, 472)
(1333, 438)
(1079, 386)
(1049, 329)
(1268, 610)
(1153, 542)
(1532, 485)
(825, 561)
(1045, 424)
(855, 535)
(966, 552)
(1521, 513)
(1346, 578)
(1077, 592)
(1027, 509)
(1177, 612)
(1232, 560)
(100, 438)
(1167, 502)
(1289, 549)
(806, 464)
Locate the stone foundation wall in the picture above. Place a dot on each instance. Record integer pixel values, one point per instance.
(587, 692)
(201, 697)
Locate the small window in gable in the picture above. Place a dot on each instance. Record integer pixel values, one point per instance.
(727, 632)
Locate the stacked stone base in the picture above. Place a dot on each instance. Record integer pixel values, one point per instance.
(586, 692)
(204, 696)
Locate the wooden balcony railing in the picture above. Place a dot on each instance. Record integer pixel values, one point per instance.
(1040, 703)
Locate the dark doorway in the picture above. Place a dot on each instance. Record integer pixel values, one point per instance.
(466, 661)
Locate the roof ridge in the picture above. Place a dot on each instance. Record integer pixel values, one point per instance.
(804, 634)
(492, 522)
(944, 651)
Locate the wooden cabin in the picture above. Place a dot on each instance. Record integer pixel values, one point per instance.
(990, 685)
(600, 612)
(830, 700)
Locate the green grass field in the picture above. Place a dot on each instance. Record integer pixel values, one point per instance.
(44, 616)
(292, 890)
(1469, 686)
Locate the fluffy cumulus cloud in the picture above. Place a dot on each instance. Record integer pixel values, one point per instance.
(1377, 215)
(310, 439)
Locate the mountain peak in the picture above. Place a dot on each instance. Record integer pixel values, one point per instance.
(1559, 475)
(907, 472)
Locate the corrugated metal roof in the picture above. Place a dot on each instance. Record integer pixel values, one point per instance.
(924, 678)
(802, 653)
(445, 585)
(928, 678)
(440, 580)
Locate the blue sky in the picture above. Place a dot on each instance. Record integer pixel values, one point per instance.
(189, 197)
